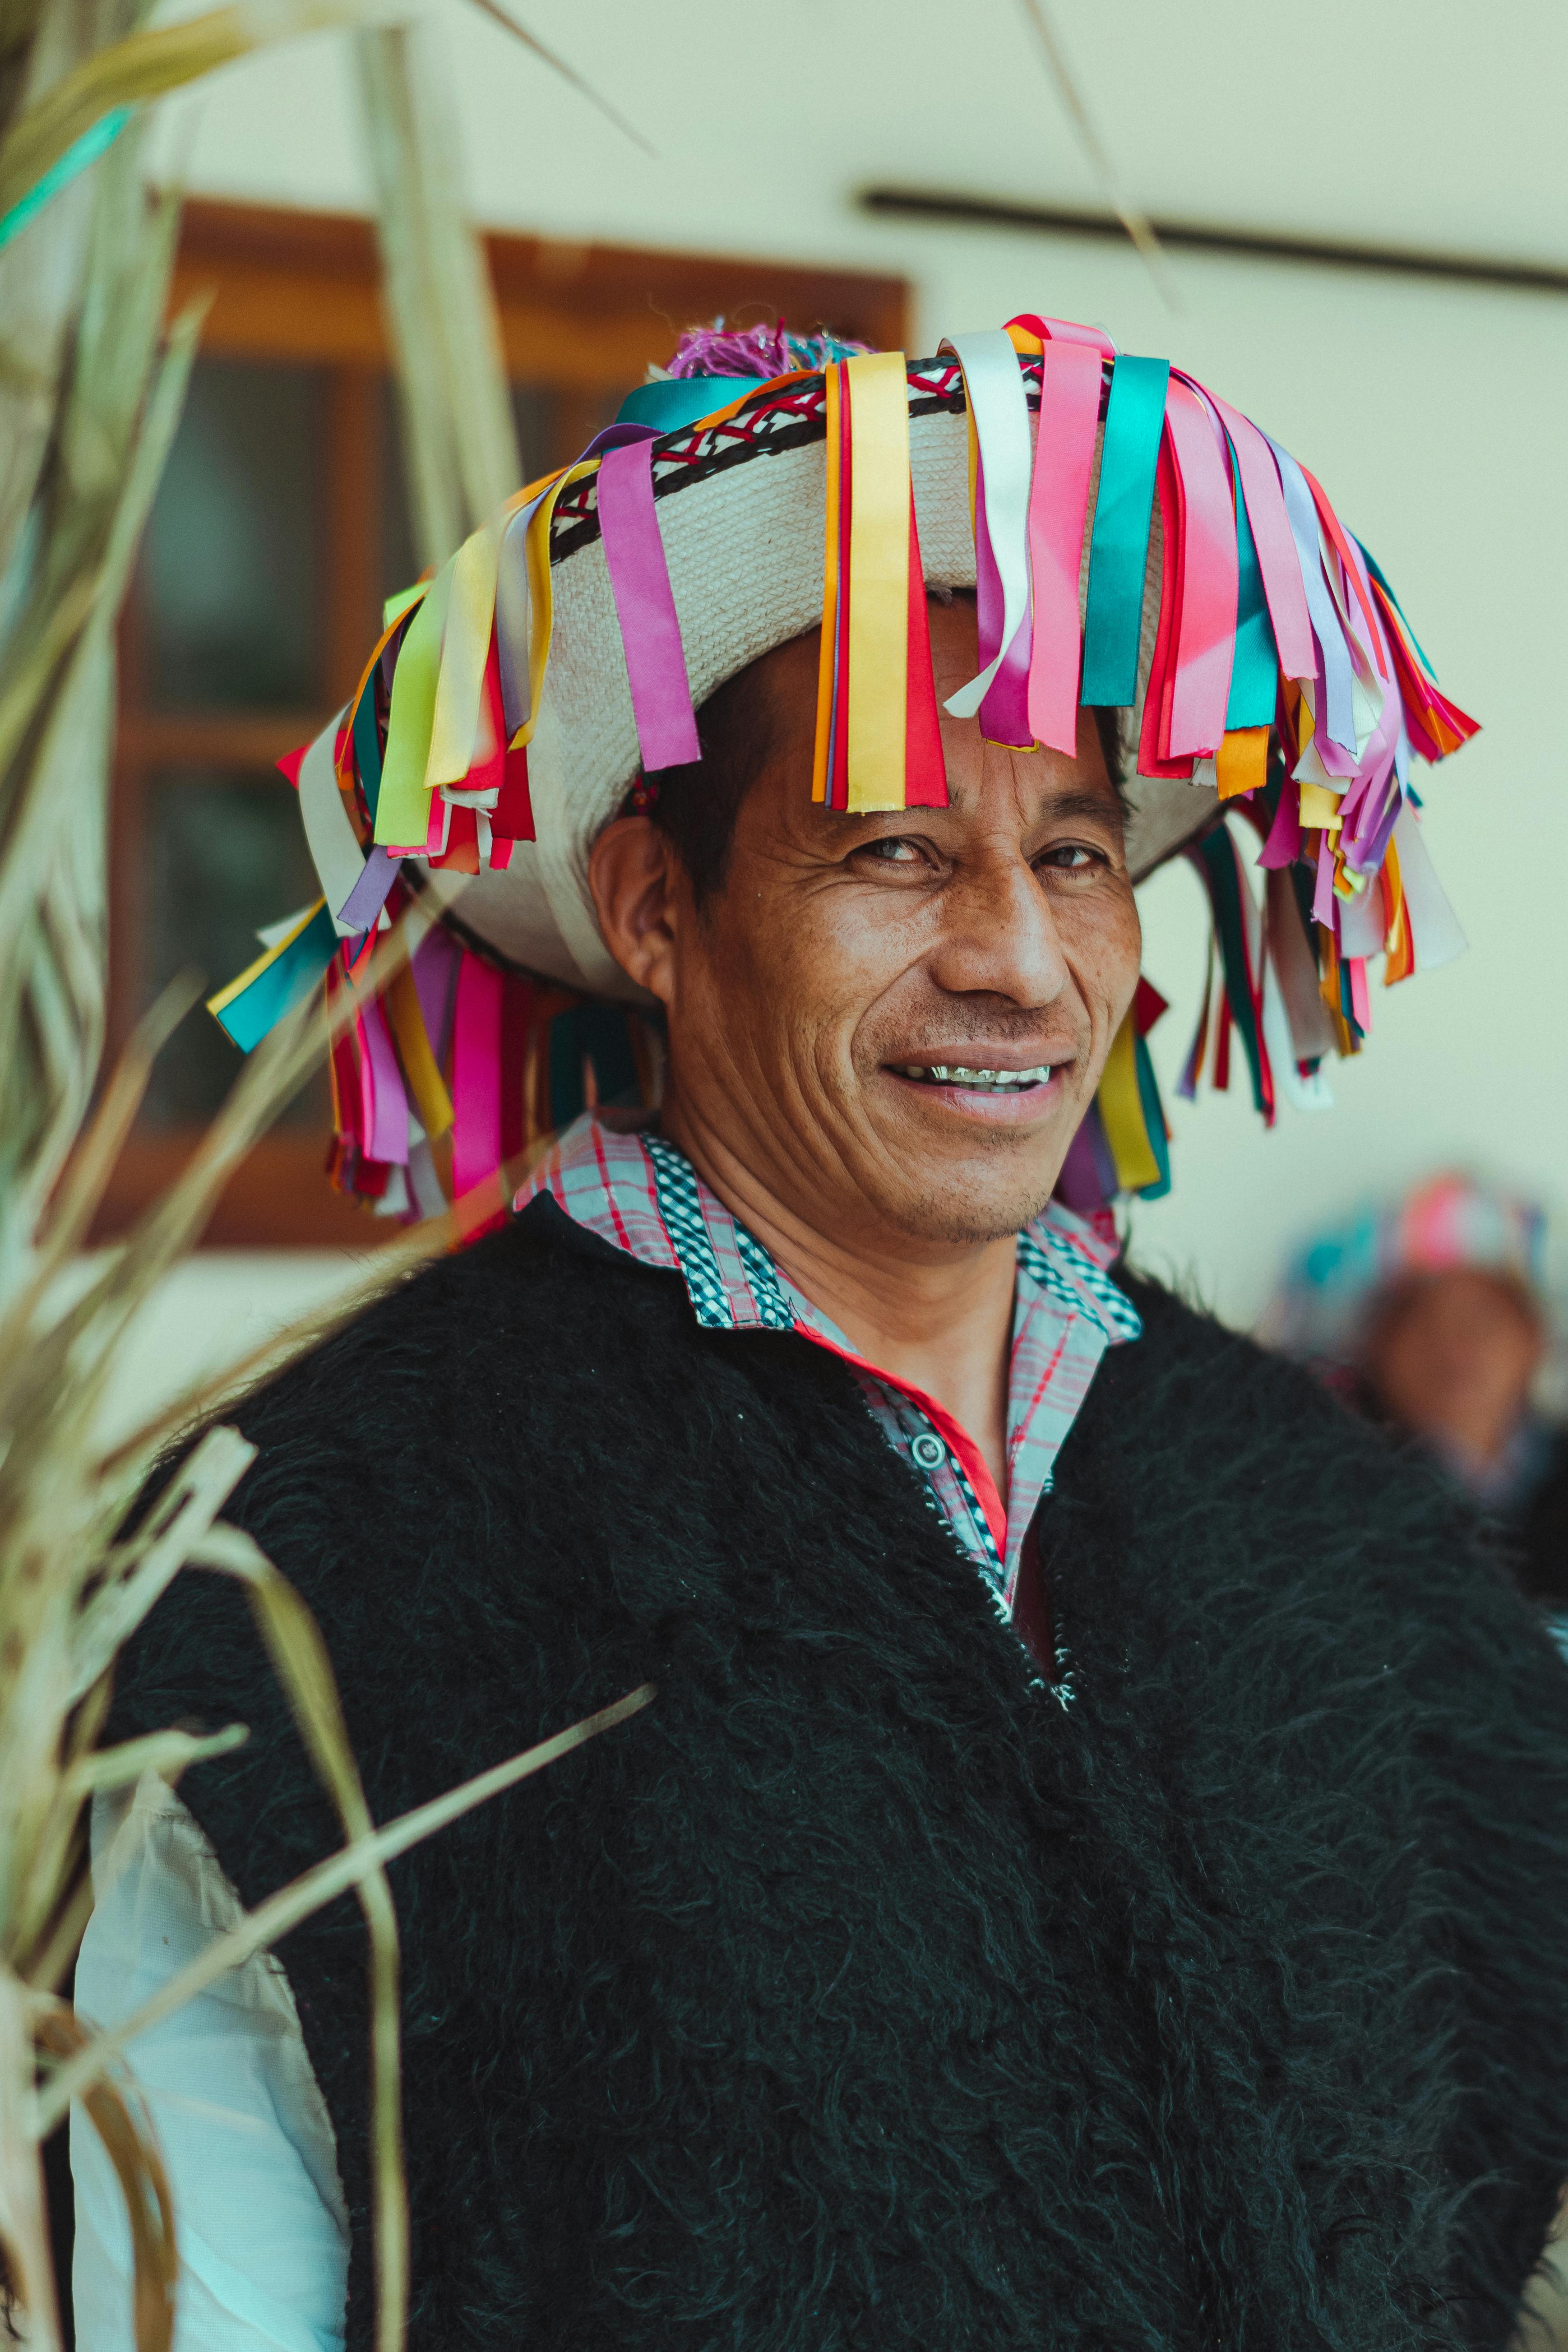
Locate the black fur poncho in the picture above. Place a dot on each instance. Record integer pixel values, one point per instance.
(864, 1992)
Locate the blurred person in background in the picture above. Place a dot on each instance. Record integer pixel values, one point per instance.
(1430, 1316)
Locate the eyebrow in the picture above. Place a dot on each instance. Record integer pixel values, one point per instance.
(1083, 802)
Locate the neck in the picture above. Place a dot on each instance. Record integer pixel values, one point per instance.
(933, 1316)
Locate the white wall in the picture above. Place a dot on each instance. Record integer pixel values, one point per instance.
(1433, 414)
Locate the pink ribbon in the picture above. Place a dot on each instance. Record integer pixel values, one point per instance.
(645, 606)
(1207, 643)
(384, 1105)
(1271, 536)
(1058, 503)
(476, 1075)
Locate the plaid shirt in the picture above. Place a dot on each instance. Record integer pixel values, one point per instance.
(638, 1193)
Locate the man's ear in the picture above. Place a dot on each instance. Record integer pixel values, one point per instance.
(633, 874)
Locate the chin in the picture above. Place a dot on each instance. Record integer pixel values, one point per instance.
(970, 1208)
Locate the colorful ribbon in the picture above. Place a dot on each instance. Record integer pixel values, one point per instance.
(1118, 546)
(644, 608)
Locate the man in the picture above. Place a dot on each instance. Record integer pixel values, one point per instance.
(1072, 1887)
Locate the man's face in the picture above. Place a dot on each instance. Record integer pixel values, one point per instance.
(894, 1021)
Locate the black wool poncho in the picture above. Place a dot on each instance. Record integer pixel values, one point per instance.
(864, 1991)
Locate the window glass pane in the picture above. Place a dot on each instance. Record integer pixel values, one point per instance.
(536, 415)
(224, 853)
(231, 568)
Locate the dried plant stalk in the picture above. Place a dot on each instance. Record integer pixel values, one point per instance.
(90, 390)
(460, 444)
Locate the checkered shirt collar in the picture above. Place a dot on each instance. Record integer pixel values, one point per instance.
(640, 1193)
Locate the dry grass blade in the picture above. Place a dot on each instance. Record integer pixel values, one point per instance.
(25, 2266)
(147, 64)
(310, 1891)
(166, 1752)
(299, 1655)
(558, 64)
(393, 1262)
(459, 442)
(1136, 223)
(143, 1568)
(132, 2145)
(93, 1164)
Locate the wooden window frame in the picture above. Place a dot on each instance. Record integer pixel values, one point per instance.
(581, 321)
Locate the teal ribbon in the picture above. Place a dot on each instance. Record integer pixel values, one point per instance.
(1255, 666)
(1153, 1121)
(677, 401)
(1217, 859)
(367, 747)
(82, 151)
(1119, 551)
(282, 984)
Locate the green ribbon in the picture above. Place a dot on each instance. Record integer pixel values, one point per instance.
(367, 747)
(1218, 859)
(1119, 551)
(1153, 1121)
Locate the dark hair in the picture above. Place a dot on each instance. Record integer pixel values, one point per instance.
(694, 806)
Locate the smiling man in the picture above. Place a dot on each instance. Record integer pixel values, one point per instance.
(1095, 1871)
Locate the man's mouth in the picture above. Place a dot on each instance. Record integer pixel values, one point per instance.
(960, 1074)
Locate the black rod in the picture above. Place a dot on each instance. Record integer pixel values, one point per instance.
(1201, 237)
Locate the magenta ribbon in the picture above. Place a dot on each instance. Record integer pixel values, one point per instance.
(1207, 643)
(645, 606)
(1059, 507)
(1283, 846)
(476, 1075)
(1005, 712)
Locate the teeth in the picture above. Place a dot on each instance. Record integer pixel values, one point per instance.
(956, 1073)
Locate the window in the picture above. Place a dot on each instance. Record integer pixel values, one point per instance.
(280, 527)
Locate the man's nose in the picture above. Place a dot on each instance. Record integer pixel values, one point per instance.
(999, 936)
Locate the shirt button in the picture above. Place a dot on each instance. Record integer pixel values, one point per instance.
(928, 1451)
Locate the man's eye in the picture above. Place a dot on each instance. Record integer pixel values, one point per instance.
(1069, 858)
(893, 849)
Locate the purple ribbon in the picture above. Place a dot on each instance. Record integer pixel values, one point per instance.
(366, 899)
(645, 606)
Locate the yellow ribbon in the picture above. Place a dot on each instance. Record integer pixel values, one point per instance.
(1122, 1113)
(465, 649)
(878, 579)
(403, 811)
(406, 1021)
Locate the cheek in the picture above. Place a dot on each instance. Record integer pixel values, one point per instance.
(1103, 942)
(779, 982)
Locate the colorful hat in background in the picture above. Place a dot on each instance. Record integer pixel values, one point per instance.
(1332, 1287)
(1133, 543)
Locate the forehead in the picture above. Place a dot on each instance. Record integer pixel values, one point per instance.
(980, 773)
